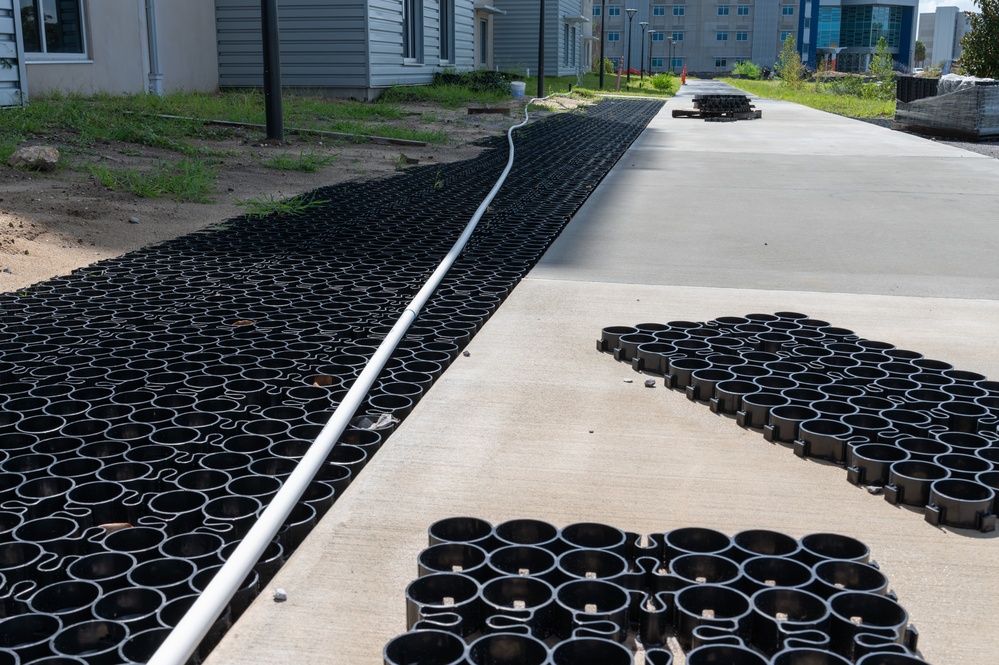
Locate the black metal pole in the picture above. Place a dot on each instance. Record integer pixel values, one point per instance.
(631, 17)
(272, 69)
(641, 55)
(603, 21)
(541, 51)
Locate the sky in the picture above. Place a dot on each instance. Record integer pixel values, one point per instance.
(929, 6)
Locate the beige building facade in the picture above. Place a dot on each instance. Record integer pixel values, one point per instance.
(91, 46)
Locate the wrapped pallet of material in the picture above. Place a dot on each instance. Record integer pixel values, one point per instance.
(965, 107)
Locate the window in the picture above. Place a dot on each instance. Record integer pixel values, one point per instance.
(721, 36)
(565, 44)
(742, 36)
(483, 42)
(596, 10)
(658, 36)
(677, 36)
(53, 26)
(787, 10)
(723, 10)
(808, 22)
(657, 62)
(721, 62)
(742, 10)
(613, 11)
(678, 10)
(676, 62)
(659, 10)
(412, 31)
(613, 36)
(784, 34)
(447, 30)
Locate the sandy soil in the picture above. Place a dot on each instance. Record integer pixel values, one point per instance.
(52, 223)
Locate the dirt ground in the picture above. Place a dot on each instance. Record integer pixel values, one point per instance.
(52, 223)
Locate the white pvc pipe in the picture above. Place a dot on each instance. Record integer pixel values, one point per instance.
(184, 639)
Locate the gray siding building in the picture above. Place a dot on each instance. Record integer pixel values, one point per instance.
(515, 35)
(348, 48)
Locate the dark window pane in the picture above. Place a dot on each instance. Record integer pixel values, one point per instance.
(29, 26)
(63, 26)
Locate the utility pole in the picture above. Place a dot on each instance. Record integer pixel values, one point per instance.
(631, 17)
(641, 56)
(603, 22)
(272, 69)
(541, 51)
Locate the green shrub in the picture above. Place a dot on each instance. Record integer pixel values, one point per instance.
(608, 66)
(480, 80)
(663, 81)
(748, 69)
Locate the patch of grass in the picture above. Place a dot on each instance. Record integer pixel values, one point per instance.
(264, 206)
(183, 180)
(88, 120)
(591, 86)
(307, 162)
(449, 96)
(809, 95)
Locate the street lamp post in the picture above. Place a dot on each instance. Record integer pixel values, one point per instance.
(672, 51)
(641, 56)
(631, 17)
(650, 51)
(603, 22)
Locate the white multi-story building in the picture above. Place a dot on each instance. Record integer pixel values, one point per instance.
(941, 33)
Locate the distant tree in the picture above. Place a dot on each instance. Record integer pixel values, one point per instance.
(980, 57)
(919, 53)
(789, 67)
(882, 68)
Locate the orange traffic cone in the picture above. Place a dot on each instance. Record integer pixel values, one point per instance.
(683, 76)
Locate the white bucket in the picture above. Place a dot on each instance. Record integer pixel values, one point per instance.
(517, 88)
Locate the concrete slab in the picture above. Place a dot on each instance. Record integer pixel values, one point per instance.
(535, 423)
(798, 200)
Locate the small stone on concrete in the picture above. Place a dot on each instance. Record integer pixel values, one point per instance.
(133, 220)
(465, 353)
(280, 595)
(35, 157)
(650, 383)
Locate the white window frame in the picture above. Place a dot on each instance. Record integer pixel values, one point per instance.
(659, 10)
(596, 10)
(54, 58)
(658, 36)
(657, 62)
(787, 10)
(742, 10)
(676, 62)
(721, 36)
(784, 34)
(678, 10)
(742, 36)
(721, 61)
(676, 35)
(614, 36)
(723, 10)
(614, 10)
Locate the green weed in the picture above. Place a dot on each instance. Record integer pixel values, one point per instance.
(183, 180)
(264, 206)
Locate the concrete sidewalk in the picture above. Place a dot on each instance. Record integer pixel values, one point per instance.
(801, 211)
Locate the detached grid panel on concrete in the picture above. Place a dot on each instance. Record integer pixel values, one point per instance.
(527, 593)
